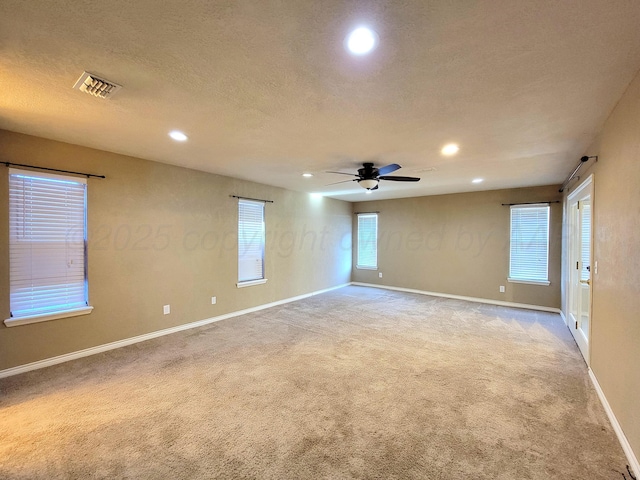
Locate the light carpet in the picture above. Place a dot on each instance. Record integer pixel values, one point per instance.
(358, 383)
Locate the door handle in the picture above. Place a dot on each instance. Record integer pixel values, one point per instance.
(587, 282)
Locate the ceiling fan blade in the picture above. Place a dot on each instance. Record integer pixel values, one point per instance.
(400, 179)
(388, 169)
(343, 181)
(342, 173)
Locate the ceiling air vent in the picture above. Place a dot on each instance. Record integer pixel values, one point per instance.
(98, 87)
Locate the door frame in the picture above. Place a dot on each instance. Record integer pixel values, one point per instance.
(584, 345)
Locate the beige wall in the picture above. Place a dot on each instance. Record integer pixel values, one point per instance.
(134, 269)
(459, 244)
(615, 323)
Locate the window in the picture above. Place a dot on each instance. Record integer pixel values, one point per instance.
(367, 241)
(47, 242)
(250, 243)
(529, 251)
(585, 239)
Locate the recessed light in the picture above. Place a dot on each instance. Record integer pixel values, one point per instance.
(477, 180)
(369, 192)
(307, 175)
(450, 149)
(361, 41)
(178, 136)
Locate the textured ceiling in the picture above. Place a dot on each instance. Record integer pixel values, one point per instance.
(266, 91)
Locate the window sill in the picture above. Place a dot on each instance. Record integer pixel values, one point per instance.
(529, 282)
(358, 267)
(15, 321)
(251, 283)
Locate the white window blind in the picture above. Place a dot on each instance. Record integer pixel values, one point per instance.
(250, 240)
(367, 241)
(585, 239)
(47, 238)
(529, 251)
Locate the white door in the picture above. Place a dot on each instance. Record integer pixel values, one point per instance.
(580, 204)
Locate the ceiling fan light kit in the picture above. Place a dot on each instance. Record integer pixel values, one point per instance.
(368, 183)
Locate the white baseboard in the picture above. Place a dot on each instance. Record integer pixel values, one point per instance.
(628, 451)
(564, 319)
(460, 297)
(47, 362)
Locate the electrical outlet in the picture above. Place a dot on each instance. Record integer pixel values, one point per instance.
(166, 309)
(379, 274)
(213, 300)
(501, 288)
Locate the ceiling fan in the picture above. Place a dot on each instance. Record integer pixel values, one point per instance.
(368, 176)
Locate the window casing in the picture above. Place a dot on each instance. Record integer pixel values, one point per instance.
(251, 243)
(367, 255)
(529, 246)
(47, 247)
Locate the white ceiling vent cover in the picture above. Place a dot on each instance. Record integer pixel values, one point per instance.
(96, 86)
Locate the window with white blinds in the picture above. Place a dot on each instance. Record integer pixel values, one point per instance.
(47, 238)
(585, 240)
(529, 250)
(367, 241)
(251, 235)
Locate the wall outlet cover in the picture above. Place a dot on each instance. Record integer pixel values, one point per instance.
(213, 300)
(166, 309)
(501, 288)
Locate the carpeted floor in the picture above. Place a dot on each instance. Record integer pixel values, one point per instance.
(358, 383)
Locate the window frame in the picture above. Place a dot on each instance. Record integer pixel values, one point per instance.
(518, 276)
(248, 282)
(361, 243)
(52, 313)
